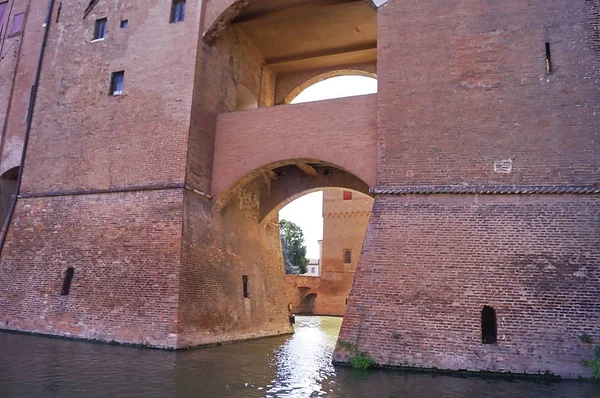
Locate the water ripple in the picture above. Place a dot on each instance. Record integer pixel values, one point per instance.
(291, 366)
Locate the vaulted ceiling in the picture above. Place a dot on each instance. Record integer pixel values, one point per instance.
(310, 34)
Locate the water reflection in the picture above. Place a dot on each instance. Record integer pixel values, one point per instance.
(290, 366)
(304, 361)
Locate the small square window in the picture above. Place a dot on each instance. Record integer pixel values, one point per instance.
(17, 23)
(124, 23)
(116, 83)
(100, 29)
(177, 11)
(347, 195)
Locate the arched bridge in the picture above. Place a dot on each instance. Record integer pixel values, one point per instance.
(333, 143)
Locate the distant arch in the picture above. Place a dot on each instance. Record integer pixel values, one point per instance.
(307, 305)
(325, 76)
(245, 99)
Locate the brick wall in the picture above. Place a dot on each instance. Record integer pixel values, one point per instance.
(339, 131)
(430, 264)
(83, 138)
(125, 249)
(219, 247)
(472, 90)
(18, 59)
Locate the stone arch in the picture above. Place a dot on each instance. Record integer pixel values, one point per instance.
(282, 182)
(220, 13)
(307, 304)
(245, 146)
(324, 76)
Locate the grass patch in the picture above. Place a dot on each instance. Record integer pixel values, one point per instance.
(594, 363)
(361, 361)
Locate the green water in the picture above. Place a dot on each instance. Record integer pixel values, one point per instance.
(290, 366)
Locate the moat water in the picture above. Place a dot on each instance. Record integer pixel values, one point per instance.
(292, 366)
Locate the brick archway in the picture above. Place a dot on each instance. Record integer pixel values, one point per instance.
(340, 132)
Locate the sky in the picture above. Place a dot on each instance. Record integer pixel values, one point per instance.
(307, 211)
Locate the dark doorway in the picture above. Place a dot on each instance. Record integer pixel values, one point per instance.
(489, 327)
(307, 306)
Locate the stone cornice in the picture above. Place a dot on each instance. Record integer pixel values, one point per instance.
(489, 190)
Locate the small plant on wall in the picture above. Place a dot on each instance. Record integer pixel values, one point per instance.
(359, 359)
(594, 363)
(362, 361)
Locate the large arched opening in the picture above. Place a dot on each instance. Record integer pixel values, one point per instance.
(243, 167)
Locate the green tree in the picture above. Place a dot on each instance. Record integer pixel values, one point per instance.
(294, 249)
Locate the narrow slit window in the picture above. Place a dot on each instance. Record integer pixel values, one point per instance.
(489, 327)
(245, 286)
(124, 23)
(548, 58)
(177, 11)
(66, 287)
(100, 29)
(116, 83)
(17, 23)
(347, 257)
(58, 12)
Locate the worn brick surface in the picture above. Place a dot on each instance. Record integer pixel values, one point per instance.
(339, 131)
(464, 99)
(18, 58)
(125, 249)
(430, 264)
(83, 138)
(218, 249)
(472, 90)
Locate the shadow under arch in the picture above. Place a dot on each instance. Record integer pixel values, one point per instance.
(282, 182)
(324, 76)
(220, 13)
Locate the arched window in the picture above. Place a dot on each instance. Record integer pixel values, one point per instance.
(334, 87)
(347, 257)
(66, 288)
(489, 328)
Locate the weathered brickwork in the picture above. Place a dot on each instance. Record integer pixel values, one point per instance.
(340, 132)
(472, 91)
(120, 187)
(217, 252)
(125, 250)
(83, 138)
(19, 53)
(534, 259)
